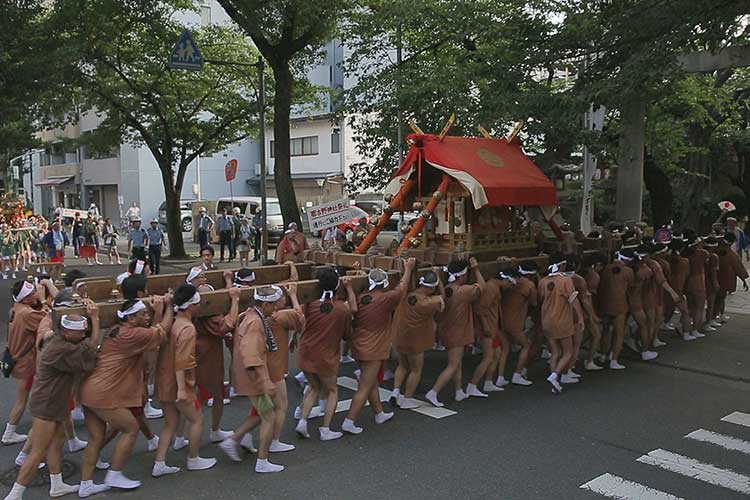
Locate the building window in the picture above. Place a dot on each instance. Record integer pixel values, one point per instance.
(205, 15)
(300, 146)
(335, 142)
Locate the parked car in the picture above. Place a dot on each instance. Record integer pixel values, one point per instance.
(248, 206)
(186, 215)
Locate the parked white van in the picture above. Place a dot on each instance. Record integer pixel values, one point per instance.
(248, 206)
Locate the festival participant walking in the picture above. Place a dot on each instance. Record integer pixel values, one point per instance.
(558, 297)
(616, 279)
(371, 341)
(327, 321)
(175, 384)
(116, 385)
(66, 356)
(730, 269)
(25, 315)
(591, 272)
(518, 296)
(487, 316)
(209, 347)
(711, 245)
(414, 329)
(698, 259)
(456, 325)
(253, 340)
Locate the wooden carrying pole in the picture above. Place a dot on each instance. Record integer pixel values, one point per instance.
(396, 202)
(218, 301)
(422, 221)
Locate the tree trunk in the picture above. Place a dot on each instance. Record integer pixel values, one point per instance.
(174, 219)
(282, 168)
(660, 191)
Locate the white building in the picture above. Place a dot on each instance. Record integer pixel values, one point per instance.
(321, 153)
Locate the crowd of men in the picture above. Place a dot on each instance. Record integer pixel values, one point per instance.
(164, 349)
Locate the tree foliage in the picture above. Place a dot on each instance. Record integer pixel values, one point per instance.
(119, 51)
(286, 33)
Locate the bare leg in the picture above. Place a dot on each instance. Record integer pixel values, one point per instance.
(618, 325)
(401, 372)
(96, 428)
(19, 405)
(482, 368)
(331, 389)
(367, 381)
(195, 428)
(416, 364)
(280, 405)
(455, 354)
(167, 432)
(266, 431)
(42, 439)
(124, 421)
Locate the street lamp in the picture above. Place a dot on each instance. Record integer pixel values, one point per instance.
(186, 55)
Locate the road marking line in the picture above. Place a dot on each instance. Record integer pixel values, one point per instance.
(726, 442)
(426, 409)
(692, 468)
(738, 418)
(616, 487)
(343, 405)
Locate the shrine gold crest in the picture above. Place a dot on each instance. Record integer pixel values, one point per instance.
(490, 158)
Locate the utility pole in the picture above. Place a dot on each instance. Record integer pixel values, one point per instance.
(399, 117)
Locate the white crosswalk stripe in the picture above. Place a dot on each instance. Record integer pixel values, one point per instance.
(726, 442)
(426, 409)
(692, 468)
(738, 418)
(612, 486)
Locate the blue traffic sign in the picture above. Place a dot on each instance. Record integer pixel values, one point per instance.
(186, 54)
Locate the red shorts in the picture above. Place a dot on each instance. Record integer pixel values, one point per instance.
(205, 395)
(495, 342)
(58, 257)
(29, 382)
(254, 412)
(137, 411)
(88, 251)
(71, 404)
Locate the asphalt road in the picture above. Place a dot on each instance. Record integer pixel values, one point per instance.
(523, 443)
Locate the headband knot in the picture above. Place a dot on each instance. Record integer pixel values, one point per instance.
(195, 299)
(277, 294)
(134, 309)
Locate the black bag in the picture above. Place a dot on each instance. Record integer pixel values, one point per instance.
(7, 362)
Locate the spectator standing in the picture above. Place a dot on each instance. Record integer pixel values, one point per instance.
(156, 242)
(55, 242)
(94, 211)
(137, 240)
(245, 238)
(109, 237)
(205, 224)
(77, 233)
(236, 224)
(259, 227)
(225, 226)
(133, 213)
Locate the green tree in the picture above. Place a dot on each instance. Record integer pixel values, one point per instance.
(24, 56)
(286, 32)
(120, 49)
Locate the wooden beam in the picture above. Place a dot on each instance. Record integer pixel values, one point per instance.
(485, 133)
(217, 302)
(415, 127)
(516, 130)
(448, 126)
(159, 284)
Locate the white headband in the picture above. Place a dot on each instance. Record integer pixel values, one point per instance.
(79, 285)
(423, 282)
(622, 257)
(195, 299)
(247, 279)
(327, 294)
(26, 290)
(194, 273)
(70, 324)
(374, 284)
(525, 272)
(454, 276)
(135, 308)
(122, 277)
(555, 268)
(508, 277)
(139, 265)
(695, 243)
(641, 255)
(278, 294)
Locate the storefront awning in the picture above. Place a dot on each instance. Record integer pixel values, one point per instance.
(54, 181)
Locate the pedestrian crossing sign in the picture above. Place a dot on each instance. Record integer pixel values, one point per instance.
(185, 54)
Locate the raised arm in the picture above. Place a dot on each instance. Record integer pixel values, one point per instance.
(351, 297)
(477, 273)
(403, 285)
